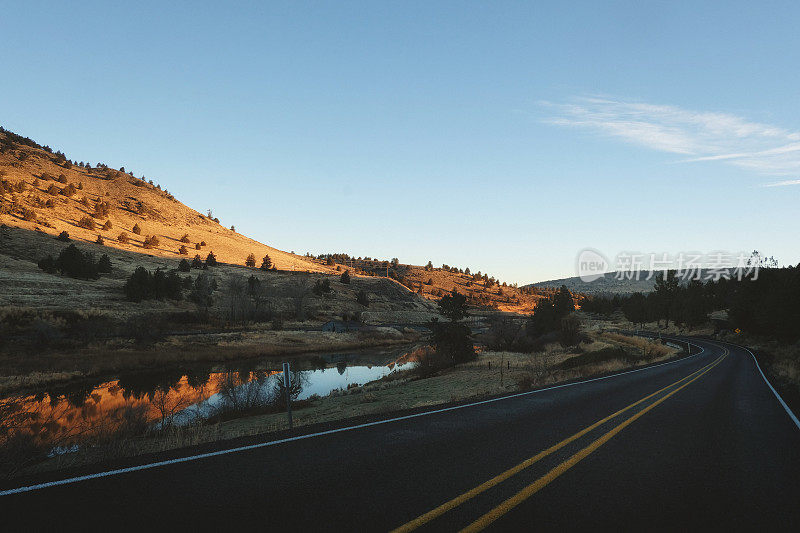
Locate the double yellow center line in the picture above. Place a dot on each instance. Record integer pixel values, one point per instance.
(540, 483)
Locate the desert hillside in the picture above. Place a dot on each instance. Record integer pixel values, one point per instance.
(482, 290)
(610, 283)
(137, 223)
(44, 191)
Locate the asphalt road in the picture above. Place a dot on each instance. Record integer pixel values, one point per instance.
(700, 443)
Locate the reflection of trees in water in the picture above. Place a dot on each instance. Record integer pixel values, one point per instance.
(243, 391)
(297, 380)
(30, 429)
(316, 362)
(246, 391)
(168, 404)
(90, 413)
(143, 384)
(77, 397)
(198, 378)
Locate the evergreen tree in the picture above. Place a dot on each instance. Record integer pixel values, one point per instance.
(76, 264)
(204, 287)
(563, 302)
(104, 264)
(139, 285)
(453, 306)
(665, 290)
(362, 298)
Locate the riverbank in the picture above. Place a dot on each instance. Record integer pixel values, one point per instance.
(492, 374)
(63, 367)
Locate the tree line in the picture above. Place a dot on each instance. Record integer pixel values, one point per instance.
(762, 304)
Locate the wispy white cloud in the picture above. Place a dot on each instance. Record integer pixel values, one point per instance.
(783, 183)
(699, 136)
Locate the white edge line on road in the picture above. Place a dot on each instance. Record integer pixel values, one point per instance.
(167, 462)
(778, 396)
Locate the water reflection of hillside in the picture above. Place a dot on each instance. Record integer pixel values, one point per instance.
(63, 415)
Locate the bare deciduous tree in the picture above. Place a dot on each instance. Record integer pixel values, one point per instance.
(299, 292)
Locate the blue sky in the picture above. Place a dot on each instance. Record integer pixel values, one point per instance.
(502, 136)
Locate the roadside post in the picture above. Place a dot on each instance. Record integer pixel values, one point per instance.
(287, 384)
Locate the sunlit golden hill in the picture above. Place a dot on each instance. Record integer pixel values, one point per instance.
(44, 191)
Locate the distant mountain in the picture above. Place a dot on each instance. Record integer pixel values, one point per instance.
(620, 282)
(610, 283)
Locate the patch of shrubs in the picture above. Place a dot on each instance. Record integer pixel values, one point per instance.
(599, 356)
(322, 287)
(362, 298)
(76, 264)
(158, 285)
(204, 287)
(151, 241)
(101, 209)
(28, 214)
(104, 264)
(69, 190)
(87, 222)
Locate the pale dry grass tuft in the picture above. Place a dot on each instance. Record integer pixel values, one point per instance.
(649, 348)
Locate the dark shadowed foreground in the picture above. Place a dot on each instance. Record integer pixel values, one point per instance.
(699, 443)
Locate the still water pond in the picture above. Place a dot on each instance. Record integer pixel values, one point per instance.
(65, 415)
